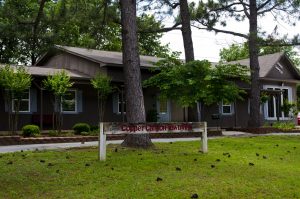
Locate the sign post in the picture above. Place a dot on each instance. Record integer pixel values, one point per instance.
(102, 143)
(204, 139)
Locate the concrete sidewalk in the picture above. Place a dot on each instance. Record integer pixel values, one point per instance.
(32, 147)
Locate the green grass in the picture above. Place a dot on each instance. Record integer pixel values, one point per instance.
(130, 173)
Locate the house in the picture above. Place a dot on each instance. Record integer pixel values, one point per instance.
(278, 79)
(277, 74)
(81, 65)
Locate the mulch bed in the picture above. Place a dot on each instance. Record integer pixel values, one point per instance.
(19, 140)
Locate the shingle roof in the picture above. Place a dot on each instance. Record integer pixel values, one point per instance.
(106, 57)
(45, 71)
(266, 62)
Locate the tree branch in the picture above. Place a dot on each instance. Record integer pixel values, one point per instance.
(263, 4)
(172, 5)
(269, 9)
(245, 8)
(223, 31)
(161, 30)
(225, 7)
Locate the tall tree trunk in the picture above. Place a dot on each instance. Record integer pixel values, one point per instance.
(135, 110)
(186, 30)
(35, 31)
(187, 40)
(254, 120)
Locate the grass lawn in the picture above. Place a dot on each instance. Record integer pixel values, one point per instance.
(225, 172)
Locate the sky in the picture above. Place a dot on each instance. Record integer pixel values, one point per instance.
(207, 45)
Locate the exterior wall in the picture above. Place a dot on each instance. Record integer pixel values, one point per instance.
(241, 114)
(88, 113)
(72, 62)
(116, 73)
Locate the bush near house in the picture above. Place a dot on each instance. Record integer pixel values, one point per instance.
(30, 130)
(81, 127)
(284, 125)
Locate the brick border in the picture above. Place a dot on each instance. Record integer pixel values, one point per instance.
(19, 140)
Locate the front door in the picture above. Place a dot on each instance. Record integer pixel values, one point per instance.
(163, 110)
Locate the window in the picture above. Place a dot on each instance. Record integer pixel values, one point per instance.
(227, 108)
(121, 102)
(273, 108)
(24, 103)
(69, 101)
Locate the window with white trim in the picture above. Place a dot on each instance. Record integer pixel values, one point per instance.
(227, 108)
(274, 104)
(24, 105)
(69, 102)
(121, 102)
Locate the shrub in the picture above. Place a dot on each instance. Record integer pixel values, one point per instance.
(284, 125)
(94, 128)
(53, 133)
(30, 130)
(84, 133)
(81, 127)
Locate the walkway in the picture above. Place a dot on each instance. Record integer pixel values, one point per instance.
(32, 147)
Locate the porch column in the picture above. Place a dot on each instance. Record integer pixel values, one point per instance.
(122, 103)
(41, 108)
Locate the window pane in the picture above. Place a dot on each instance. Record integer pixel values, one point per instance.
(24, 105)
(278, 106)
(226, 109)
(120, 103)
(120, 108)
(70, 95)
(285, 94)
(69, 101)
(271, 107)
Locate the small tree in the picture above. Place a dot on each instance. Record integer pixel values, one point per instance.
(102, 84)
(58, 84)
(197, 81)
(14, 81)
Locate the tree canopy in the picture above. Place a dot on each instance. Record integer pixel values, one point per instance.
(29, 28)
(198, 81)
(241, 51)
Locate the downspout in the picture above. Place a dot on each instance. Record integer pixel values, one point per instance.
(41, 104)
(278, 107)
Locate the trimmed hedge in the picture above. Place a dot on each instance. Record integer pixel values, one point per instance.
(30, 130)
(81, 127)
